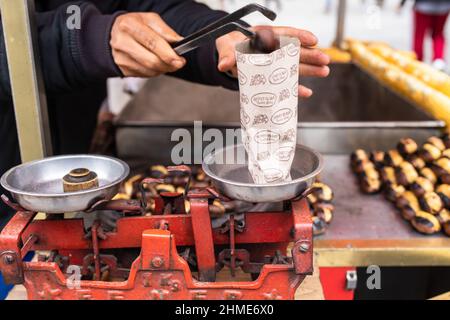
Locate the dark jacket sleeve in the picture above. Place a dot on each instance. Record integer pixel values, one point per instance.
(75, 58)
(186, 17)
(70, 58)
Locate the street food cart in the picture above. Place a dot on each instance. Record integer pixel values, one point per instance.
(355, 109)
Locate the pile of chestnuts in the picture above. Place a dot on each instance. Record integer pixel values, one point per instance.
(415, 178)
(320, 202)
(319, 199)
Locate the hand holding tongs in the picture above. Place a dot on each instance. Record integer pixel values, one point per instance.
(221, 27)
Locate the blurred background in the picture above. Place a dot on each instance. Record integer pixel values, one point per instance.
(370, 20)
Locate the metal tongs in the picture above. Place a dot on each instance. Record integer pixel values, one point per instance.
(221, 27)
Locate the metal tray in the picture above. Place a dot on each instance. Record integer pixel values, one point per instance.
(37, 186)
(233, 179)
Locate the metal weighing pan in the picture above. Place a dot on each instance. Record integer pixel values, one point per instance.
(37, 185)
(235, 182)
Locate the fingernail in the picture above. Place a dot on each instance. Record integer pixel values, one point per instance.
(177, 63)
(309, 92)
(222, 63)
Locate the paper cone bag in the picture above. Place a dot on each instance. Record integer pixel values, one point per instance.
(268, 85)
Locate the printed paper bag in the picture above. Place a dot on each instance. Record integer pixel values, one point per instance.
(268, 86)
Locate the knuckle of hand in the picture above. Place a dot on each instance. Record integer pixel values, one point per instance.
(154, 15)
(150, 43)
(124, 25)
(113, 42)
(317, 54)
(149, 65)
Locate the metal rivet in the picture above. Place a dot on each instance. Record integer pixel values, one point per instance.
(8, 259)
(157, 262)
(304, 247)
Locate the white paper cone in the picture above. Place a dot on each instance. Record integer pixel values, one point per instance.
(268, 86)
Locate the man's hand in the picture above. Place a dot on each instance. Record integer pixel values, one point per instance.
(140, 45)
(313, 62)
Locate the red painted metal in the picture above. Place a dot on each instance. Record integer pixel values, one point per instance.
(263, 227)
(302, 251)
(95, 228)
(11, 252)
(203, 238)
(334, 283)
(159, 272)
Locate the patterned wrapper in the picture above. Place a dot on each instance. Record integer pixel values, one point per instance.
(268, 86)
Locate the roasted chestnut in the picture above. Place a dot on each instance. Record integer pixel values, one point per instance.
(446, 228)
(319, 226)
(363, 166)
(408, 205)
(445, 178)
(324, 211)
(158, 171)
(426, 223)
(429, 152)
(441, 166)
(312, 199)
(370, 185)
(201, 176)
(446, 153)
(265, 41)
(429, 174)
(387, 175)
(393, 191)
(437, 142)
(377, 157)
(357, 158)
(121, 196)
(163, 187)
(407, 198)
(217, 209)
(393, 158)
(322, 192)
(431, 202)
(406, 173)
(421, 186)
(359, 155)
(370, 173)
(443, 216)
(443, 191)
(446, 140)
(180, 190)
(416, 161)
(407, 146)
(408, 213)
(131, 185)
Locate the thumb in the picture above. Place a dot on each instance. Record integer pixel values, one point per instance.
(227, 58)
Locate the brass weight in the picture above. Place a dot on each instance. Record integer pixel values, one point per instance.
(80, 179)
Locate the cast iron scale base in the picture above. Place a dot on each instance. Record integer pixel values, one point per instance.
(177, 256)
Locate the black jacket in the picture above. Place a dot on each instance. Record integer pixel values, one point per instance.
(74, 59)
